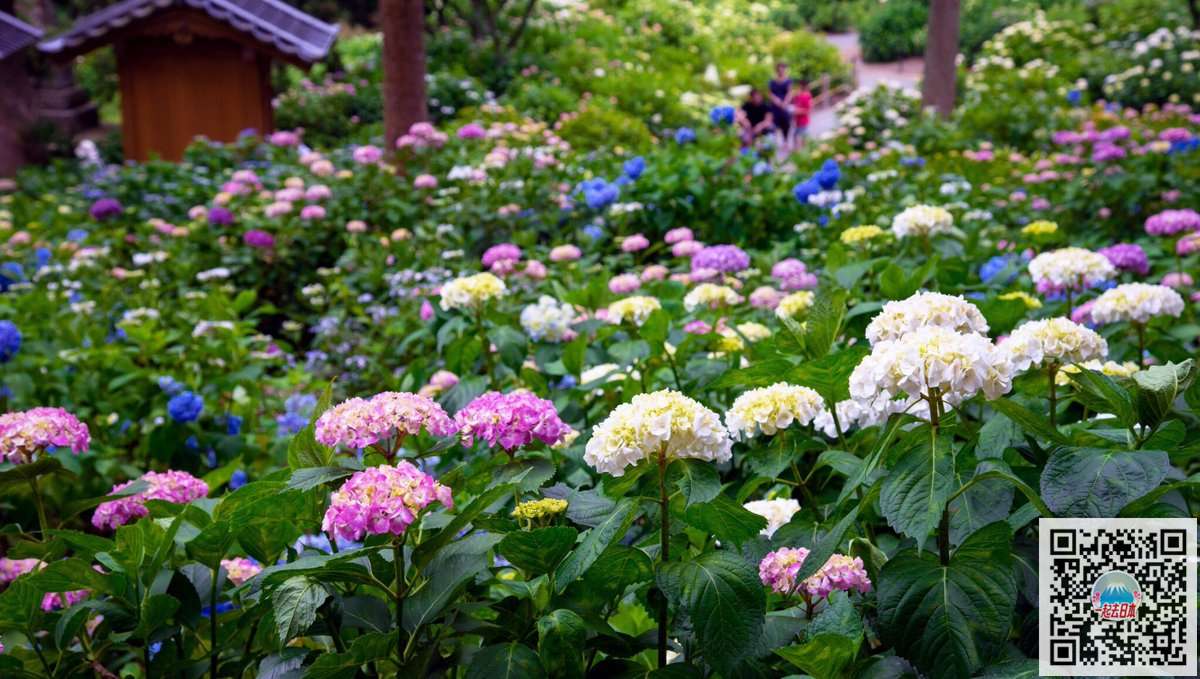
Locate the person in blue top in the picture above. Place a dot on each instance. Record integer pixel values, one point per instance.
(780, 88)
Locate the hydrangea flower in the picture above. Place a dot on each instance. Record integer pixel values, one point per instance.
(633, 309)
(535, 510)
(795, 304)
(924, 309)
(776, 512)
(105, 208)
(1127, 257)
(924, 221)
(1069, 269)
(501, 252)
(792, 274)
(10, 341)
(1173, 222)
(635, 243)
(1052, 341)
(257, 238)
(710, 296)
(511, 420)
(770, 409)
(548, 320)
(26, 433)
(565, 253)
(721, 115)
(1136, 303)
(388, 416)
(471, 292)
(240, 569)
(382, 501)
(678, 235)
(662, 423)
(779, 568)
(722, 258)
(623, 284)
(932, 358)
(185, 407)
(170, 486)
(685, 135)
(634, 167)
(11, 569)
(862, 235)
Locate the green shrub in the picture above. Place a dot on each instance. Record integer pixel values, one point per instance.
(896, 29)
(595, 127)
(808, 55)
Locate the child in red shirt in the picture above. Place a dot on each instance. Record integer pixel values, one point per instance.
(801, 108)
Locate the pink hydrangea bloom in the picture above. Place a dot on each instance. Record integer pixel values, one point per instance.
(565, 253)
(511, 420)
(381, 501)
(318, 192)
(635, 243)
(655, 272)
(367, 155)
(792, 274)
(697, 327)
(678, 235)
(1177, 279)
(55, 600)
(427, 310)
(1173, 222)
(535, 269)
(500, 253)
(624, 283)
(312, 212)
(840, 573)
(11, 569)
(765, 297)
(471, 131)
(686, 248)
(170, 486)
(1188, 244)
(240, 569)
(359, 423)
(1083, 313)
(425, 181)
(723, 258)
(26, 433)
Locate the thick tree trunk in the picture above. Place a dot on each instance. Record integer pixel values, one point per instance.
(403, 23)
(941, 55)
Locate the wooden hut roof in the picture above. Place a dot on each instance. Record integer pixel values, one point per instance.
(15, 35)
(271, 22)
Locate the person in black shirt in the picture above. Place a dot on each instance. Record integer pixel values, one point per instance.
(755, 119)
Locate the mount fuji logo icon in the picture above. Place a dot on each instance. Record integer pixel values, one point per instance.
(1116, 596)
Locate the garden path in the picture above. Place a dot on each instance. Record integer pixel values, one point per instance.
(906, 72)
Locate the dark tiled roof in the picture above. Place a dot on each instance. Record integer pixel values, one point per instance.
(269, 21)
(15, 35)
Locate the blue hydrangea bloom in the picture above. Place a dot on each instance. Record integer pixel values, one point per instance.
(185, 407)
(634, 167)
(721, 115)
(41, 258)
(994, 266)
(192, 443)
(599, 194)
(760, 168)
(567, 382)
(77, 235)
(685, 135)
(155, 648)
(1074, 97)
(805, 189)
(828, 175)
(593, 231)
(238, 480)
(913, 161)
(223, 607)
(170, 385)
(10, 341)
(233, 425)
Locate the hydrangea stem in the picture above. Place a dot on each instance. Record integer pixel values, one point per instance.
(43, 524)
(664, 552)
(1052, 373)
(399, 593)
(1141, 337)
(214, 651)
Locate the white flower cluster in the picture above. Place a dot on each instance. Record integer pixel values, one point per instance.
(548, 320)
(770, 409)
(900, 317)
(1110, 368)
(922, 221)
(1056, 340)
(1136, 303)
(710, 296)
(1075, 268)
(932, 358)
(633, 309)
(776, 512)
(852, 413)
(663, 423)
(470, 292)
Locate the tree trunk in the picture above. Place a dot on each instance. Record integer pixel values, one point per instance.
(941, 56)
(403, 23)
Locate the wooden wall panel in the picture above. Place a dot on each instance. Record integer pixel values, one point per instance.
(172, 92)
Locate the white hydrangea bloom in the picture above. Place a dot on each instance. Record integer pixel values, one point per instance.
(659, 423)
(1136, 303)
(633, 309)
(1054, 340)
(958, 366)
(710, 296)
(776, 512)
(1110, 368)
(1074, 268)
(795, 304)
(922, 220)
(923, 309)
(470, 292)
(770, 409)
(548, 320)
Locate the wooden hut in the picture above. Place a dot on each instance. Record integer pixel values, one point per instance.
(16, 91)
(195, 67)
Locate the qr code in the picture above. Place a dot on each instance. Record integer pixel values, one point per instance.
(1117, 597)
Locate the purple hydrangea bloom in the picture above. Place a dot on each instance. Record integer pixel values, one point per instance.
(257, 238)
(105, 208)
(1128, 257)
(511, 420)
(723, 258)
(501, 252)
(220, 216)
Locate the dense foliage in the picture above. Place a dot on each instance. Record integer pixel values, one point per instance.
(497, 401)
